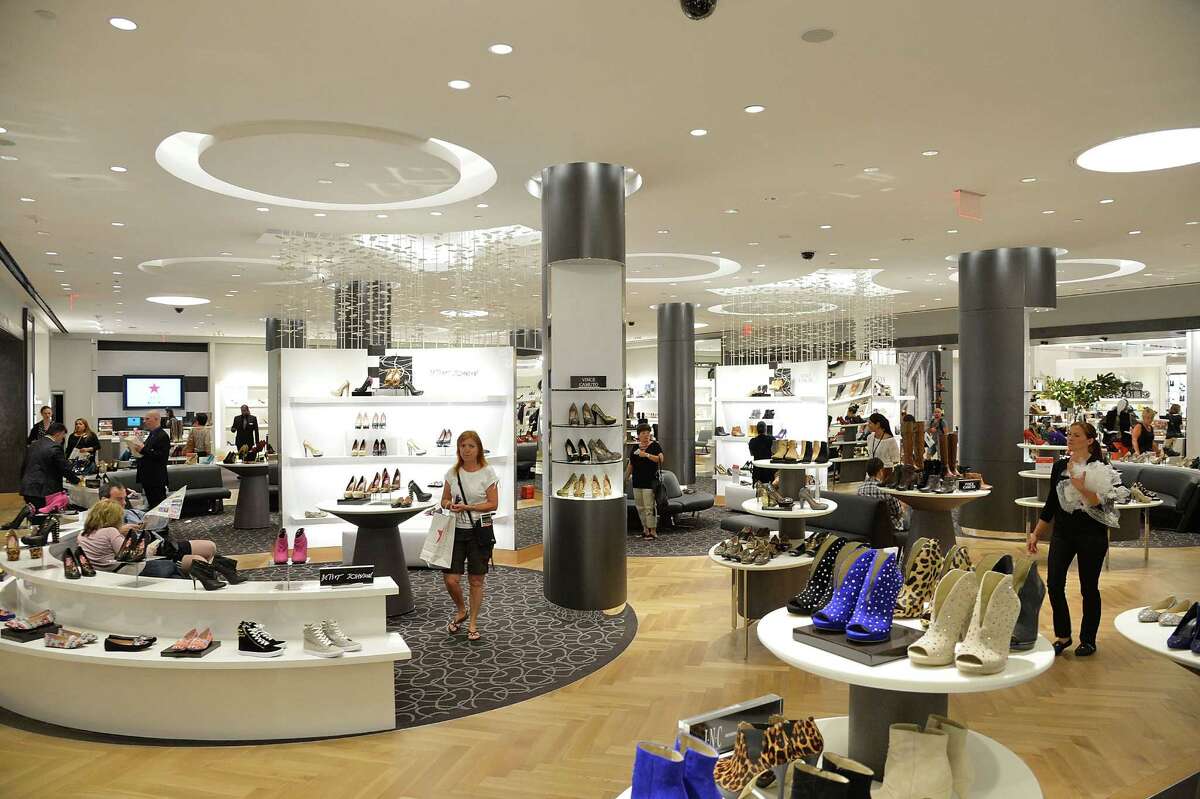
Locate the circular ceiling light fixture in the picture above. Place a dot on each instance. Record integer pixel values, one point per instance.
(754, 109)
(1107, 201)
(633, 182)
(117, 169)
(1121, 268)
(724, 267)
(122, 24)
(698, 132)
(459, 85)
(817, 35)
(500, 49)
(464, 313)
(786, 308)
(180, 301)
(180, 154)
(1029, 180)
(929, 153)
(1144, 152)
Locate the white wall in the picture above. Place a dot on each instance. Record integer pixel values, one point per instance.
(41, 367)
(233, 368)
(148, 362)
(73, 372)
(12, 299)
(641, 366)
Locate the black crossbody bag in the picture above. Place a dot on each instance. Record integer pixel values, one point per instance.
(484, 537)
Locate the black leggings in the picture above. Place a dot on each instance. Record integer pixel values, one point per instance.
(1090, 546)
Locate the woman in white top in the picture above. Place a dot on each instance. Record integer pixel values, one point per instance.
(881, 443)
(471, 490)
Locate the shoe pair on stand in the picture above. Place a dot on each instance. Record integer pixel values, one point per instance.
(1169, 606)
(445, 438)
(779, 742)
(1187, 633)
(76, 564)
(929, 762)
(831, 561)
(326, 639)
(685, 772)
(972, 622)
(769, 498)
(863, 604)
(299, 551)
(921, 570)
(255, 641)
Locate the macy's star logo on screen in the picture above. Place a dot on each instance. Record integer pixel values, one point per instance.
(154, 388)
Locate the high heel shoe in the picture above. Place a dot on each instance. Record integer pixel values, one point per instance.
(607, 486)
(281, 545)
(341, 390)
(300, 548)
(365, 387)
(984, 649)
(349, 492)
(836, 614)
(414, 448)
(569, 486)
(375, 448)
(383, 447)
(416, 491)
(127, 547)
(85, 565)
(586, 415)
(201, 571)
(1185, 632)
(385, 485)
(397, 483)
(309, 449)
(585, 454)
(572, 453)
(804, 456)
(601, 417)
(580, 487)
(227, 567)
(360, 489)
(806, 497)
(820, 586)
(872, 619)
(573, 415)
(602, 454)
(13, 546)
(374, 489)
(595, 487)
(406, 383)
(777, 499)
(953, 601)
(21, 516)
(920, 578)
(70, 566)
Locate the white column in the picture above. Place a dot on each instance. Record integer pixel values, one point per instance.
(1192, 408)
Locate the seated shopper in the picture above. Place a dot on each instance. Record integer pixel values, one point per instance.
(123, 497)
(102, 537)
(870, 488)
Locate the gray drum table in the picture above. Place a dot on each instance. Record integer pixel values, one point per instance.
(378, 544)
(931, 513)
(253, 510)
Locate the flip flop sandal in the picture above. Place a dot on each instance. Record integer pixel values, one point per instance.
(456, 624)
(474, 635)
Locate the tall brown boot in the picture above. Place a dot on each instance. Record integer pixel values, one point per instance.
(906, 442)
(952, 452)
(918, 446)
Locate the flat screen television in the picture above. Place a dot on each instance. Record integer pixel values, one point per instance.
(143, 392)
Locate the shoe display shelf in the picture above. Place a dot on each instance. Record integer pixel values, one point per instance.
(887, 376)
(931, 512)
(794, 476)
(1149, 635)
(757, 590)
(902, 692)
(1033, 450)
(803, 413)
(470, 388)
(1041, 480)
(222, 696)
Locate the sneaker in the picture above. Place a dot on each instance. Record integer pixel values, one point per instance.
(344, 642)
(316, 642)
(274, 641)
(253, 642)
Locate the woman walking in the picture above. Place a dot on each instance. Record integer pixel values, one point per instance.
(1078, 512)
(471, 491)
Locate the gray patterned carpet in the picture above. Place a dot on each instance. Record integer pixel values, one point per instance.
(529, 646)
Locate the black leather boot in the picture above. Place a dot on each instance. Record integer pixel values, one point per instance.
(227, 568)
(202, 572)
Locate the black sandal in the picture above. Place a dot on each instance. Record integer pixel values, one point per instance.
(474, 635)
(456, 624)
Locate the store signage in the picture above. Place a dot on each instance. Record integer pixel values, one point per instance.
(718, 728)
(969, 485)
(337, 576)
(589, 381)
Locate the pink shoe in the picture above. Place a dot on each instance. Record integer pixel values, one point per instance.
(281, 547)
(300, 548)
(55, 503)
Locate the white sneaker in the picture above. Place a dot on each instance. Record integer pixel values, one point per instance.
(333, 631)
(316, 642)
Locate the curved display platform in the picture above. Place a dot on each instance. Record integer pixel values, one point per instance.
(1154, 638)
(757, 590)
(931, 512)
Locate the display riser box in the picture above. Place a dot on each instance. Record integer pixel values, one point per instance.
(875, 654)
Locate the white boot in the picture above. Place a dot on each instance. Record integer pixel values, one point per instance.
(984, 649)
(961, 769)
(917, 765)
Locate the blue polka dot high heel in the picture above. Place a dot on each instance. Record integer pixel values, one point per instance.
(834, 616)
(872, 619)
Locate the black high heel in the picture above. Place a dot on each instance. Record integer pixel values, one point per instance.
(416, 491)
(202, 572)
(70, 566)
(410, 388)
(85, 565)
(364, 387)
(227, 568)
(572, 453)
(585, 454)
(139, 548)
(127, 546)
(22, 515)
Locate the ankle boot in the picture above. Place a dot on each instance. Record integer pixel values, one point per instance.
(822, 452)
(802, 781)
(858, 775)
(792, 455)
(201, 571)
(657, 772)
(805, 454)
(1031, 591)
(984, 648)
(962, 772)
(227, 568)
(699, 759)
(299, 548)
(779, 452)
(817, 592)
(918, 764)
(733, 773)
(921, 569)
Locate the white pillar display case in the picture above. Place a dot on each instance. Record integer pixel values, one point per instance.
(462, 389)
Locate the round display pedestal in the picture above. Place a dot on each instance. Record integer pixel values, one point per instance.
(931, 512)
(1149, 635)
(791, 522)
(253, 510)
(758, 590)
(794, 476)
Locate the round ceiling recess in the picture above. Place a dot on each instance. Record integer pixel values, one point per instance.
(1144, 152)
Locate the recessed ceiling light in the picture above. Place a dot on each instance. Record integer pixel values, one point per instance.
(118, 273)
(117, 224)
(226, 253)
(873, 260)
(663, 231)
(1029, 180)
(929, 152)
(754, 109)
(262, 209)
(237, 275)
(752, 244)
(118, 257)
(731, 210)
(714, 252)
(319, 213)
(49, 252)
(825, 227)
(1135, 233)
(871, 169)
(1107, 201)
(1048, 211)
(324, 181)
(1144, 152)
(833, 255)
(8, 158)
(176, 300)
(699, 132)
(459, 84)
(28, 200)
(122, 24)
(117, 169)
(59, 271)
(435, 213)
(502, 98)
(1076, 220)
(500, 49)
(1193, 222)
(3, 130)
(952, 230)
(381, 216)
(481, 205)
(341, 164)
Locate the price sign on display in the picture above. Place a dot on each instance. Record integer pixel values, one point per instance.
(589, 381)
(335, 576)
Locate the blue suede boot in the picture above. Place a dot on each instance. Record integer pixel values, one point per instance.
(657, 773)
(699, 760)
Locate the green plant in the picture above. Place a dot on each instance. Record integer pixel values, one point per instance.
(1079, 395)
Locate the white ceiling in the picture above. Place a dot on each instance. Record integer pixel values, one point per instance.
(1002, 90)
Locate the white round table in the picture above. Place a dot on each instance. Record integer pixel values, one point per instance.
(1143, 510)
(1032, 507)
(1047, 447)
(770, 583)
(791, 522)
(1151, 636)
(1042, 481)
(931, 513)
(895, 692)
(378, 543)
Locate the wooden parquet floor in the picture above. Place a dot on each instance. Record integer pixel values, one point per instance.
(1122, 724)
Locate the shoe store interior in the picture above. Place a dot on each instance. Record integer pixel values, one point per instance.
(672, 399)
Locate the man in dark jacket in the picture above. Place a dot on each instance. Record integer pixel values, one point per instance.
(152, 465)
(46, 466)
(245, 428)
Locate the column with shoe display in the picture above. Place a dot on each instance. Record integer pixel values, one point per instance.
(583, 297)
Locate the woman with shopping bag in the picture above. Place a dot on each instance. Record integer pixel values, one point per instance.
(470, 492)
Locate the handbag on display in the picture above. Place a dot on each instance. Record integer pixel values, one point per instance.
(438, 549)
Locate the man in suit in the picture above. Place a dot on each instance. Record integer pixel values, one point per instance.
(152, 465)
(46, 466)
(245, 427)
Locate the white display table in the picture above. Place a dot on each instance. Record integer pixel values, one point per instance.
(1154, 638)
(1043, 447)
(896, 692)
(1142, 508)
(1042, 481)
(747, 579)
(229, 697)
(1032, 506)
(791, 522)
(794, 476)
(931, 512)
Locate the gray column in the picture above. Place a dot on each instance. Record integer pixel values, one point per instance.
(583, 285)
(285, 333)
(362, 314)
(1191, 409)
(677, 388)
(994, 289)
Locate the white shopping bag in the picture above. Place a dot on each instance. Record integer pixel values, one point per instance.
(438, 549)
(169, 508)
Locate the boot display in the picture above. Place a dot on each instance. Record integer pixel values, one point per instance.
(984, 648)
(1031, 591)
(657, 773)
(953, 601)
(699, 760)
(802, 781)
(921, 570)
(917, 765)
(872, 617)
(836, 614)
(962, 772)
(733, 773)
(780, 449)
(858, 776)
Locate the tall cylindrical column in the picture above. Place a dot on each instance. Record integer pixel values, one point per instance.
(1191, 409)
(583, 341)
(677, 388)
(994, 289)
(362, 314)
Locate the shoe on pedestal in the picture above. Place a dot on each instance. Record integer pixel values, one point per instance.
(857, 775)
(657, 773)
(699, 760)
(917, 765)
(962, 771)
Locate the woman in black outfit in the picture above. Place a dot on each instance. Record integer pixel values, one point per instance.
(1076, 533)
(1174, 429)
(39, 427)
(83, 440)
(1143, 434)
(760, 449)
